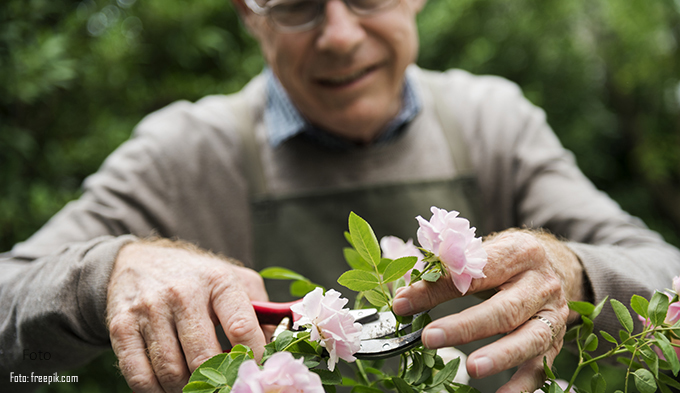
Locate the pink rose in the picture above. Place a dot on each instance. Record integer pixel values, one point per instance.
(332, 324)
(452, 240)
(676, 284)
(395, 248)
(282, 373)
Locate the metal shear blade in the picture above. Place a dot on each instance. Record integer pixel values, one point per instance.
(375, 326)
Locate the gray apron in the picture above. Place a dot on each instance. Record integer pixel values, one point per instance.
(304, 232)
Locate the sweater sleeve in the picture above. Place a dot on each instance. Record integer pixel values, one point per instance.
(529, 180)
(53, 286)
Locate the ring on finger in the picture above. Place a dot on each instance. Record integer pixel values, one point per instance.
(545, 320)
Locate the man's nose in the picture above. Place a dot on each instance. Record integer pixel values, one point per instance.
(341, 32)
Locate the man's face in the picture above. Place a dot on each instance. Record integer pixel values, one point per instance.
(346, 75)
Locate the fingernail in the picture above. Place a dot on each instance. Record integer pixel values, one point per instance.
(402, 306)
(434, 338)
(483, 366)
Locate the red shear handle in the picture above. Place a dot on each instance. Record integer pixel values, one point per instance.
(270, 313)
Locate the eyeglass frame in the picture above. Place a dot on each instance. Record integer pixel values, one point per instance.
(265, 11)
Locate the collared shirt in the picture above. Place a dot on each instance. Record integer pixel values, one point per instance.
(283, 121)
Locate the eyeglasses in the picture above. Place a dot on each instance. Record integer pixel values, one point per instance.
(301, 15)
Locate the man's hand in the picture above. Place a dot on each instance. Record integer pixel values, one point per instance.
(163, 304)
(534, 274)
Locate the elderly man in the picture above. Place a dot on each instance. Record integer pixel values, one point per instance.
(339, 121)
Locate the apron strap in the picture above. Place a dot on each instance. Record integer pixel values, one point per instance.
(460, 154)
(244, 115)
(242, 111)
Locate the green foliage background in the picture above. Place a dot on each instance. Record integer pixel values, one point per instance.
(75, 77)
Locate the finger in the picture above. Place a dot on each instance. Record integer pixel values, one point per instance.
(508, 257)
(165, 352)
(531, 340)
(502, 313)
(129, 347)
(238, 319)
(531, 375)
(196, 333)
(253, 284)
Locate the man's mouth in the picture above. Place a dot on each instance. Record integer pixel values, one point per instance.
(342, 80)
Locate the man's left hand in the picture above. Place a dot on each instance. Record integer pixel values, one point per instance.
(534, 275)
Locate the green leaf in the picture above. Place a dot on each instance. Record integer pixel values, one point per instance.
(583, 308)
(364, 239)
(329, 388)
(663, 388)
(329, 377)
(622, 314)
(639, 305)
(232, 369)
(598, 308)
(218, 362)
(650, 358)
(376, 298)
(587, 327)
(214, 377)
(598, 384)
(591, 343)
(359, 280)
(415, 371)
(547, 370)
(623, 335)
(429, 357)
(658, 308)
(644, 381)
(348, 237)
(374, 371)
(593, 365)
(282, 340)
(198, 387)
(384, 262)
(668, 352)
(365, 389)
(300, 288)
(555, 388)
(421, 321)
(447, 374)
(431, 276)
(401, 385)
(608, 337)
(398, 268)
(572, 333)
(466, 389)
(669, 381)
(241, 350)
(279, 273)
(355, 261)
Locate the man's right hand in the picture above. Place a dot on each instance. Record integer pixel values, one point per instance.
(163, 304)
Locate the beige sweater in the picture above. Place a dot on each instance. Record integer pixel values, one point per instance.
(181, 175)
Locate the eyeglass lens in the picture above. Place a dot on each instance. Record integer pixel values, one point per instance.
(306, 13)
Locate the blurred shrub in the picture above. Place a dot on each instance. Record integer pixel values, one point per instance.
(75, 77)
(606, 72)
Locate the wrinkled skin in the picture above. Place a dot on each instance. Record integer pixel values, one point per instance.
(532, 273)
(163, 306)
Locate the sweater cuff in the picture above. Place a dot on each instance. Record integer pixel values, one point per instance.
(94, 281)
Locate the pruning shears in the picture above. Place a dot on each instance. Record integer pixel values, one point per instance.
(376, 327)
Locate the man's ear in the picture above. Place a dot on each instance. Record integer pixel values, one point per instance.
(241, 7)
(245, 14)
